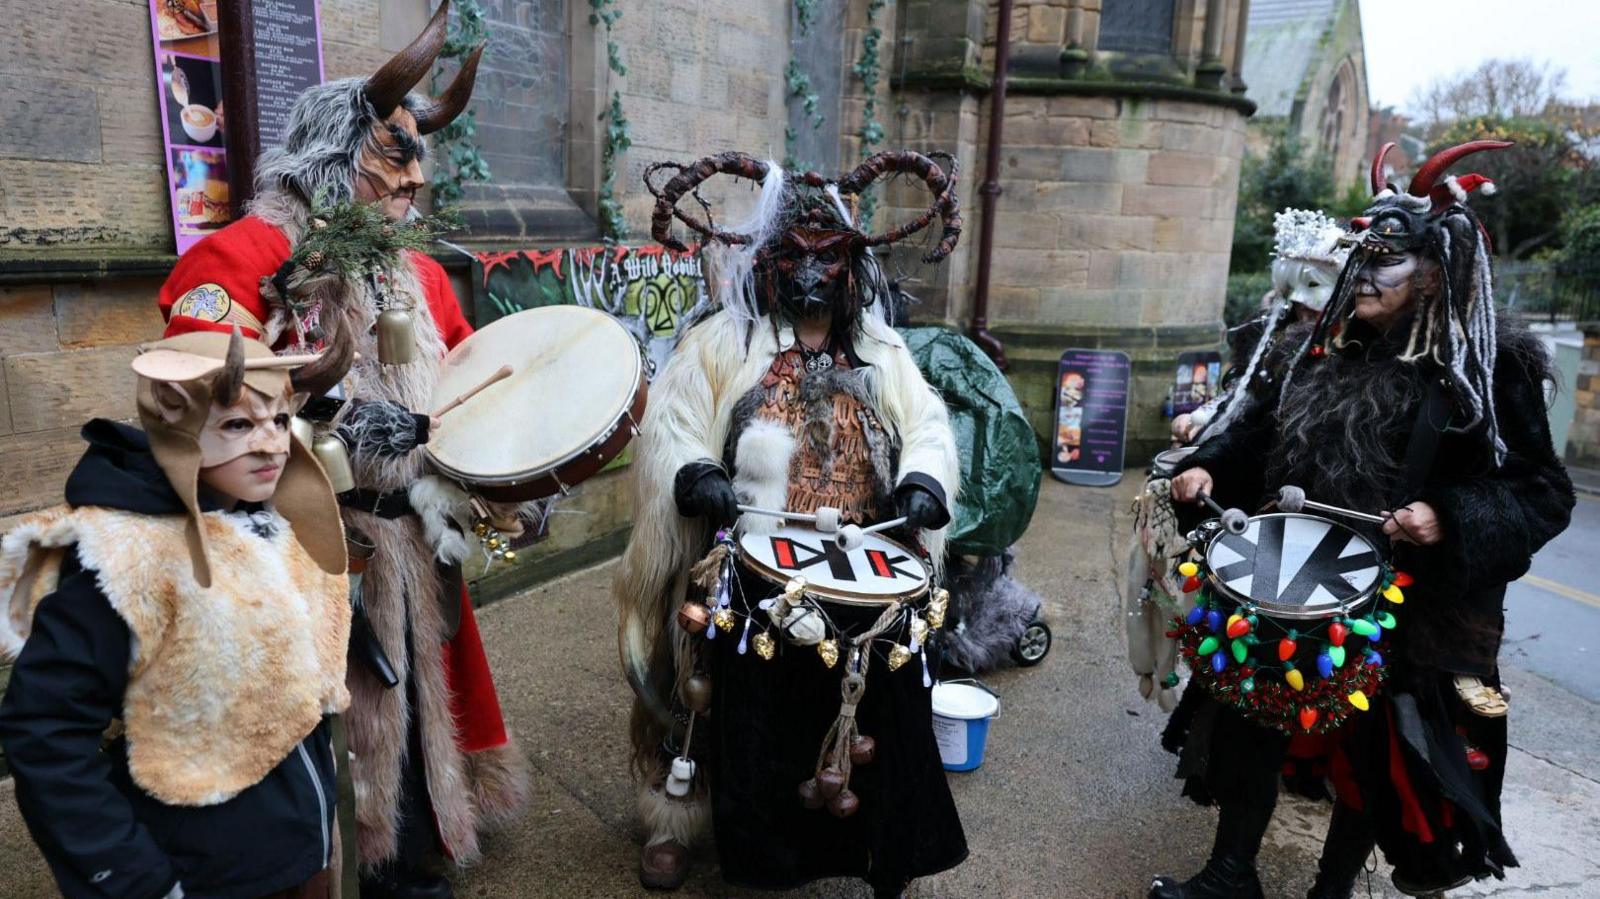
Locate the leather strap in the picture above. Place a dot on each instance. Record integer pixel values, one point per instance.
(396, 504)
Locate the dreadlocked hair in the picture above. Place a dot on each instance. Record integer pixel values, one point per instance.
(1453, 322)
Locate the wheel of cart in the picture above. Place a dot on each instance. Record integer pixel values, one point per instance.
(1033, 645)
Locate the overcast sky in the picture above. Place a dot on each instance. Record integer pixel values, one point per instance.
(1411, 42)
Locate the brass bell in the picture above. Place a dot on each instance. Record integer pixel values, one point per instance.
(696, 693)
(335, 461)
(302, 431)
(397, 337)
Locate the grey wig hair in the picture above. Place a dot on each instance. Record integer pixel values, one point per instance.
(321, 152)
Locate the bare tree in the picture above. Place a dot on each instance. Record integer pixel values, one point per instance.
(1497, 87)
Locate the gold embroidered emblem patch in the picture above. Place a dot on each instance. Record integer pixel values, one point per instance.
(208, 302)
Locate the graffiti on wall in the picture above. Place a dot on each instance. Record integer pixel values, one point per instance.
(650, 289)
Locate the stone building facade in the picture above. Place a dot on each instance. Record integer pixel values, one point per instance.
(1306, 67)
(1124, 127)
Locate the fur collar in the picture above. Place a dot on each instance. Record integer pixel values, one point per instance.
(223, 681)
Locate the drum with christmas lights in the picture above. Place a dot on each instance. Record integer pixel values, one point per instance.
(1290, 618)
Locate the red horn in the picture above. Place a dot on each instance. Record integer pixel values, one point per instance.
(1378, 181)
(390, 84)
(1430, 171)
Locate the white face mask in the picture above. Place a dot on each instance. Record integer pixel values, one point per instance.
(244, 447)
(1308, 283)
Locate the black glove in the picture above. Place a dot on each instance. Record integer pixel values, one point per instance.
(380, 428)
(703, 488)
(920, 500)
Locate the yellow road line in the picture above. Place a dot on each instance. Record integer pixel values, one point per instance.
(1560, 589)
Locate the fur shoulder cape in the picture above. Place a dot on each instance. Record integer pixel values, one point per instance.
(691, 411)
(223, 682)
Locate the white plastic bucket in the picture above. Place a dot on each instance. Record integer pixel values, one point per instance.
(962, 711)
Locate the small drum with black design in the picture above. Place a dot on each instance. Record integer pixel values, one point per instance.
(878, 572)
(1166, 462)
(1298, 574)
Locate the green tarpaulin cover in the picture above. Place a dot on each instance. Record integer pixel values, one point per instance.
(1000, 467)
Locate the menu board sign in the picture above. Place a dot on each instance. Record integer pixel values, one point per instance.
(288, 60)
(1091, 417)
(190, 62)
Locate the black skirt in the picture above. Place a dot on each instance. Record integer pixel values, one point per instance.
(769, 719)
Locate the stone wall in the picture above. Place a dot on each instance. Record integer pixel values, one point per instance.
(1583, 440)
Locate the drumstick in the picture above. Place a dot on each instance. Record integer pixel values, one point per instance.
(1234, 520)
(1293, 499)
(500, 374)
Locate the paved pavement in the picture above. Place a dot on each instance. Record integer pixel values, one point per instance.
(1075, 798)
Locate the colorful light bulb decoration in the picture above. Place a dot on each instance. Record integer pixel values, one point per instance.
(1359, 700)
(1308, 718)
(1208, 646)
(1195, 616)
(1325, 664)
(1188, 569)
(1374, 658)
(1248, 684)
(1240, 649)
(1401, 579)
(1238, 626)
(1191, 584)
(1365, 627)
(1214, 621)
(1336, 656)
(1337, 631)
(1219, 662)
(1287, 647)
(1295, 679)
(1386, 620)
(1393, 594)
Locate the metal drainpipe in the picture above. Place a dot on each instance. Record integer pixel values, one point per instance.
(990, 192)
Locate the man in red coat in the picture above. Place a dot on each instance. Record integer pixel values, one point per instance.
(432, 760)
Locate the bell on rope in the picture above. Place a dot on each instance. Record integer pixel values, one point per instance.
(844, 805)
(766, 647)
(693, 616)
(335, 459)
(829, 650)
(1359, 700)
(696, 693)
(1188, 569)
(1308, 718)
(397, 337)
(1336, 655)
(810, 796)
(830, 782)
(862, 750)
(302, 431)
(1295, 679)
(898, 656)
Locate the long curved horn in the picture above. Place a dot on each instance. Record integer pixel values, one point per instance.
(689, 177)
(1429, 172)
(945, 204)
(1378, 181)
(338, 354)
(444, 110)
(227, 383)
(390, 84)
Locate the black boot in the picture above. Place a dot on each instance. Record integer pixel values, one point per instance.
(1231, 872)
(1224, 877)
(1344, 854)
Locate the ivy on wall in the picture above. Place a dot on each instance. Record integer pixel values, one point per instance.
(869, 69)
(797, 83)
(460, 160)
(618, 135)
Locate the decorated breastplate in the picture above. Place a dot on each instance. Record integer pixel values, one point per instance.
(840, 445)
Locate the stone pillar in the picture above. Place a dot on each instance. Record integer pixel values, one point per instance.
(1583, 441)
(1211, 71)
